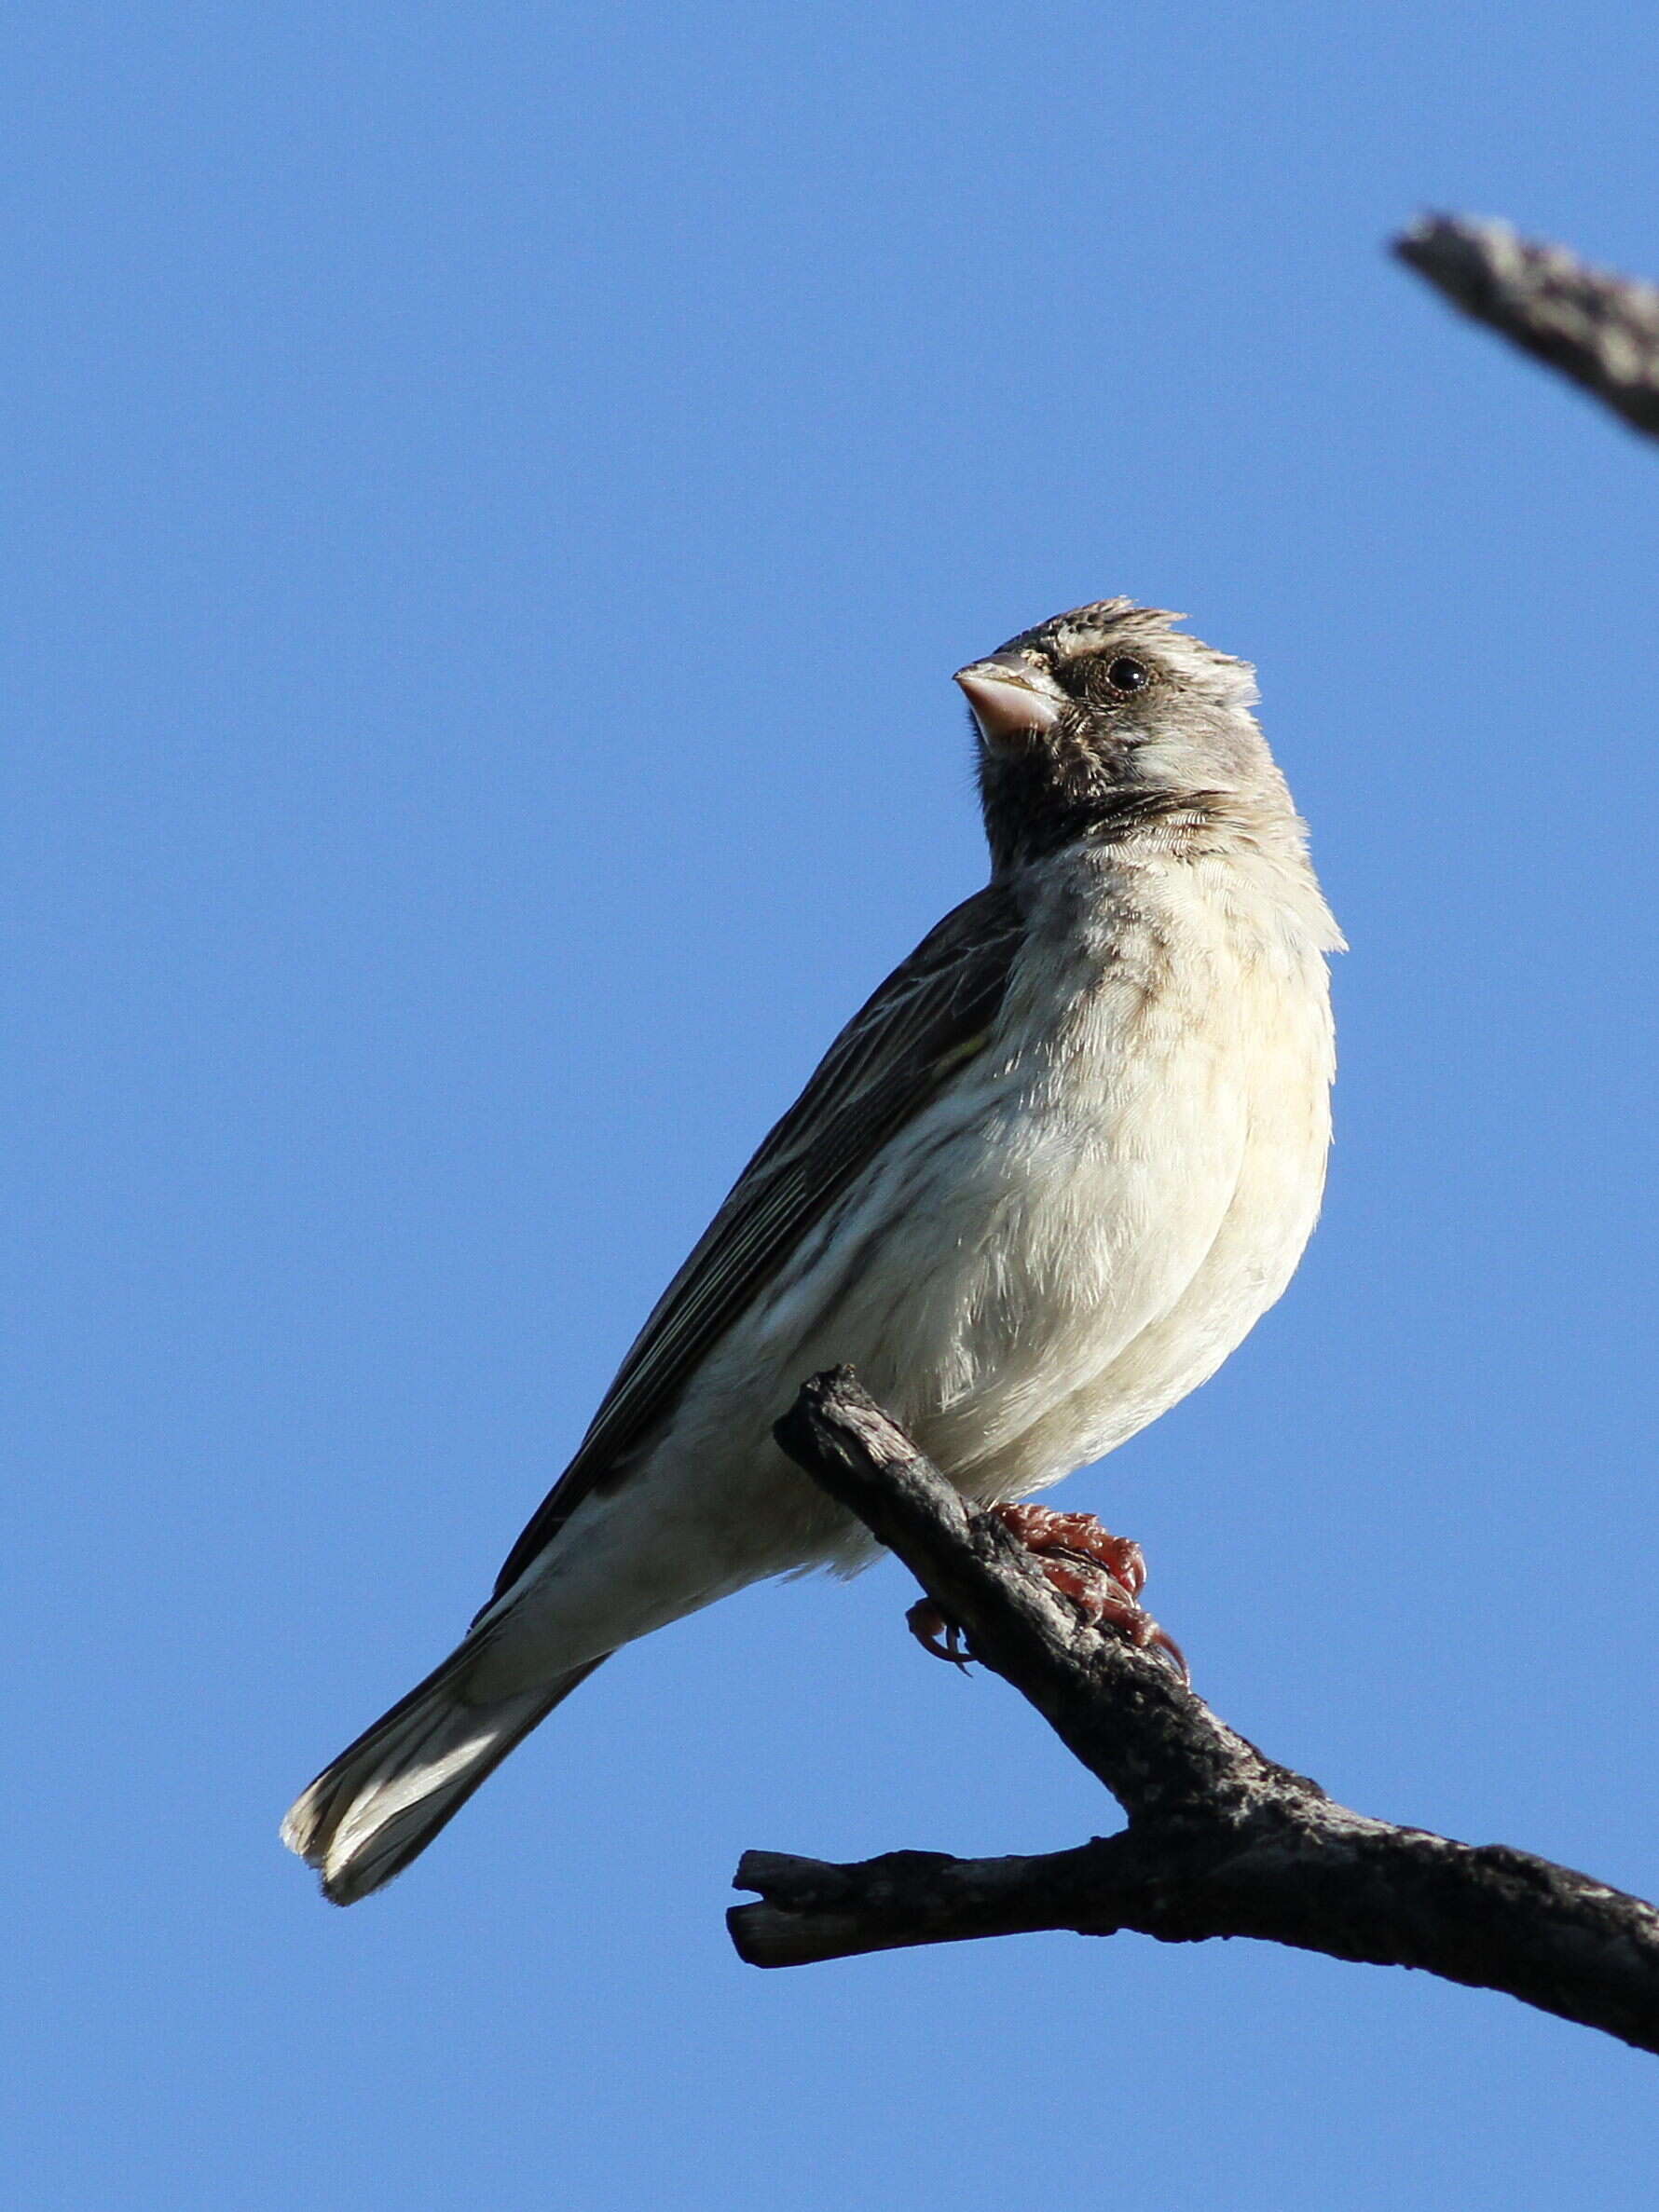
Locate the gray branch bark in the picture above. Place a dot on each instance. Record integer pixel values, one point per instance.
(1600, 329)
(1220, 1840)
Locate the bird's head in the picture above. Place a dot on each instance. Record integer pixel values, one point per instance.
(1110, 714)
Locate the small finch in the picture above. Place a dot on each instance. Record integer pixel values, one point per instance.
(1038, 1188)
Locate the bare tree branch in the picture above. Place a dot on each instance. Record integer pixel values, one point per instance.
(1600, 329)
(1220, 1841)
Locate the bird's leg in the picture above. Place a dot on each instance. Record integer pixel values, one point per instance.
(1101, 1573)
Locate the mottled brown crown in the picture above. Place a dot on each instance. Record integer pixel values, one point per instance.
(1117, 625)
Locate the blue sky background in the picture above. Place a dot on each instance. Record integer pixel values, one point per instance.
(496, 498)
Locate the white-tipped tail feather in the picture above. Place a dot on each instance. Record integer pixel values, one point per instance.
(387, 1796)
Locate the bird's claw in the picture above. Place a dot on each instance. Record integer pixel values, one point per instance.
(1101, 1573)
(937, 1632)
(1080, 1537)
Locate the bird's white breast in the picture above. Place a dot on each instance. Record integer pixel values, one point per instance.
(1074, 1234)
(1199, 1119)
(1145, 1170)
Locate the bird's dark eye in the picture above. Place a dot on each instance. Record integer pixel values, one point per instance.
(1101, 679)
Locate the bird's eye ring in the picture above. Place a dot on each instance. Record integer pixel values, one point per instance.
(1126, 674)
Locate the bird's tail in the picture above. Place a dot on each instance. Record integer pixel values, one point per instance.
(387, 1796)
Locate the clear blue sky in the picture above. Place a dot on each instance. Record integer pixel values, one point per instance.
(497, 495)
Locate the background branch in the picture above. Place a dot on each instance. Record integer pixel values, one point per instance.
(1600, 329)
(1220, 1841)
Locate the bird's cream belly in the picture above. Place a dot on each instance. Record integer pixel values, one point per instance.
(1024, 1287)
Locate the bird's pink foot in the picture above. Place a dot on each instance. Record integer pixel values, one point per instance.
(1101, 1573)
(1078, 1536)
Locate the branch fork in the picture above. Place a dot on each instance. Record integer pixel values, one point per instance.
(1221, 1839)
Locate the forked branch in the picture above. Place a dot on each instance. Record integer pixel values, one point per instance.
(1220, 1841)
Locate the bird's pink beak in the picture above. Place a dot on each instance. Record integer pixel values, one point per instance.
(1005, 704)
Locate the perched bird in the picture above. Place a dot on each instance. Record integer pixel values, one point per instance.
(1038, 1190)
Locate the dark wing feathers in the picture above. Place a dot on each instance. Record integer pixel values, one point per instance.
(928, 1018)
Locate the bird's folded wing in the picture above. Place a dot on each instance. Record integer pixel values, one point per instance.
(932, 1016)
